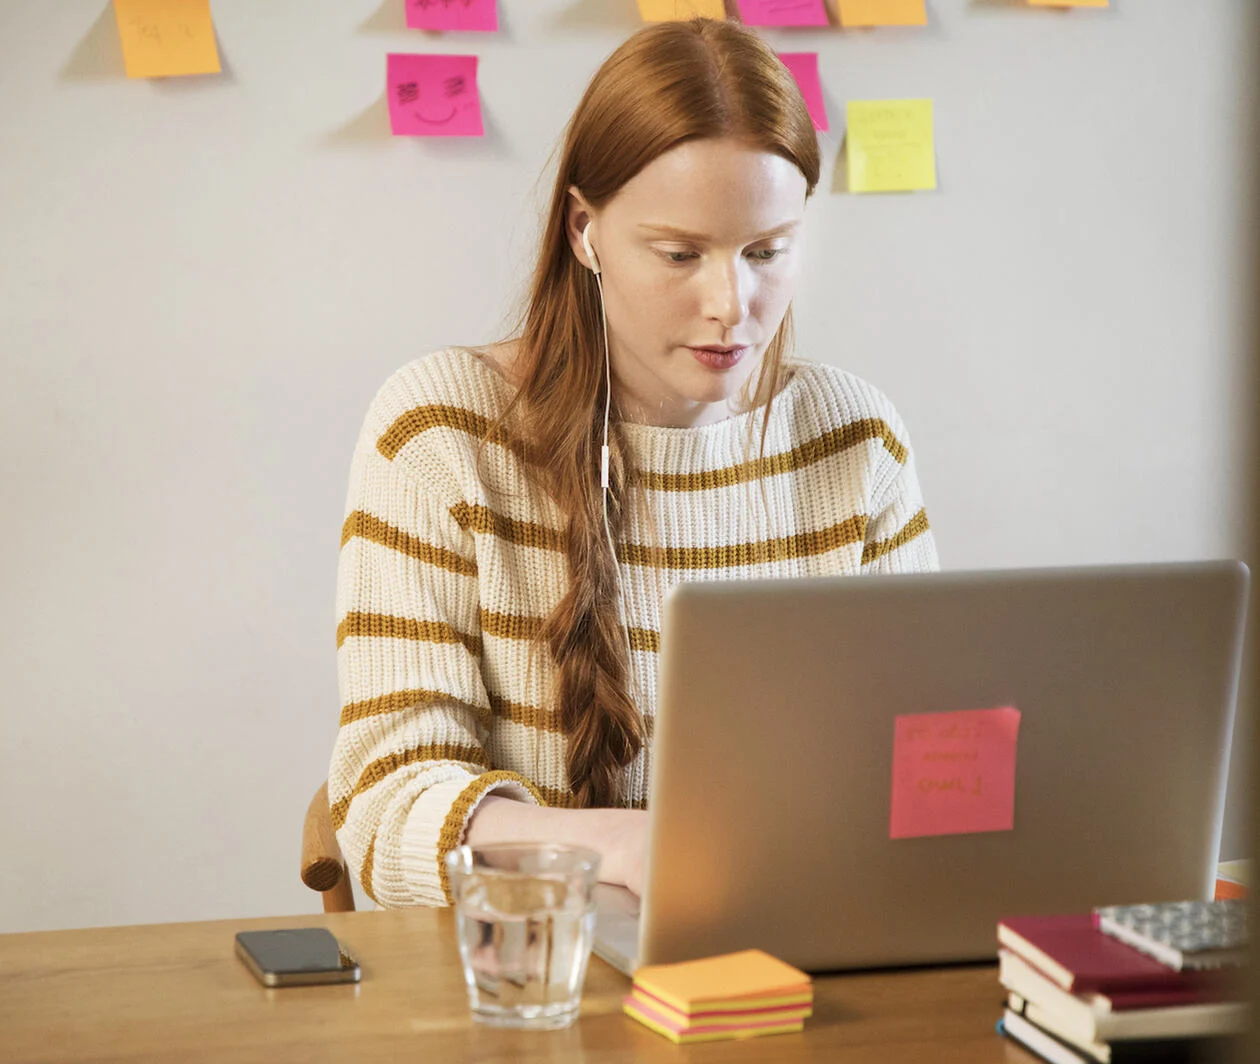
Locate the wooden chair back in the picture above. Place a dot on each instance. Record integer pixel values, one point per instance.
(323, 868)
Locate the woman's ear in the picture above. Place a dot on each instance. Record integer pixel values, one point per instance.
(578, 215)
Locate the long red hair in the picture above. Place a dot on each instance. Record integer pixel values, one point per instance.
(669, 83)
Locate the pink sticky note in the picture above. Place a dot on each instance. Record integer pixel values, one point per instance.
(804, 67)
(480, 15)
(954, 773)
(783, 12)
(433, 95)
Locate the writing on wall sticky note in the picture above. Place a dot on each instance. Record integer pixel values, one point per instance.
(167, 38)
(479, 15)
(1070, 3)
(433, 95)
(783, 12)
(804, 68)
(680, 10)
(883, 13)
(953, 773)
(891, 146)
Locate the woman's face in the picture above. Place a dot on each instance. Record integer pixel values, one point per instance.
(701, 249)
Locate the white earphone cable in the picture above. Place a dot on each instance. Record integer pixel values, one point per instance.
(604, 482)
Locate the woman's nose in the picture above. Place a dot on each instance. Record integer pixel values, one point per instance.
(726, 293)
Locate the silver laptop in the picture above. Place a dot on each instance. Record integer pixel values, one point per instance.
(771, 793)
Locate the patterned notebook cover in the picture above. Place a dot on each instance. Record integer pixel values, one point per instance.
(1183, 934)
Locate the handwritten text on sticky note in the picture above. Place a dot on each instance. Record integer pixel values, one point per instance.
(166, 38)
(891, 145)
(883, 13)
(954, 773)
(433, 95)
(680, 10)
(480, 15)
(783, 12)
(804, 68)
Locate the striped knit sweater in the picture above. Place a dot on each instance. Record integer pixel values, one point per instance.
(444, 577)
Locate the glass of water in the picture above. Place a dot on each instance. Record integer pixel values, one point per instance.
(526, 919)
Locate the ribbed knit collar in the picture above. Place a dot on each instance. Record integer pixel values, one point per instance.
(664, 449)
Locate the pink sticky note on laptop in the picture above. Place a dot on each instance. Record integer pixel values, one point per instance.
(482, 15)
(954, 773)
(433, 95)
(804, 68)
(783, 12)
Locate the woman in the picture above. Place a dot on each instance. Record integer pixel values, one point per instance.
(497, 660)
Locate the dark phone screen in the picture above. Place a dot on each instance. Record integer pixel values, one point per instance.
(301, 949)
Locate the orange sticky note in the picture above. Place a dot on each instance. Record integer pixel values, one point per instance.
(680, 10)
(750, 974)
(1069, 3)
(883, 13)
(167, 38)
(954, 773)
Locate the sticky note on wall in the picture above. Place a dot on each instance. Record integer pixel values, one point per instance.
(166, 38)
(783, 12)
(804, 68)
(477, 15)
(433, 95)
(891, 146)
(883, 13)
(953, 773)
(679, 10)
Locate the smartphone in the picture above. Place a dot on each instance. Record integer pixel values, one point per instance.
(296, 956)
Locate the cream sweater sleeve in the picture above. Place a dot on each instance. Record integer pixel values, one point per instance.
(409, 765)
(898, 536)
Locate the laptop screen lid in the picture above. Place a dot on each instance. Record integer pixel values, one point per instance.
(772, 759)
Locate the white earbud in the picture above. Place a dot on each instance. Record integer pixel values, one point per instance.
(590, 251)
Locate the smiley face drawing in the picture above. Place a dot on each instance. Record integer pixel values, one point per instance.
(437, 106)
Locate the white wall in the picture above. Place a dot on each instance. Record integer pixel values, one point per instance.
(203, 282)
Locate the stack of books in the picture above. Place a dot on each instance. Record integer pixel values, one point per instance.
(736, 995)
(1076, 993)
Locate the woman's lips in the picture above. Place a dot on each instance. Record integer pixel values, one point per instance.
(716, 357)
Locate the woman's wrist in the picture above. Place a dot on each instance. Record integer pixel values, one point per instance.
(610, 832)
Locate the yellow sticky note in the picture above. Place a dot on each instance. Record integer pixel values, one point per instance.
(883, 13)
(1070, 3)
(167, 38)
(891, 145)
(680, 10)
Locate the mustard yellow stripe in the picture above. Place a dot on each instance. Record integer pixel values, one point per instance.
(452, 832)
(526, 533)
(805, 454)
(365, 526)
(422, 418)
(645, 639)
(916, 526)
(547, 720)
(556, 797)
(528, 716)
(510, 625)
(801, 545)
(397, 701)
(385, 626)
(382, 767)
(369, 864)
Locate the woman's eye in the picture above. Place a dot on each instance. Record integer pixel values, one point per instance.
(678, 257)
(767, 254)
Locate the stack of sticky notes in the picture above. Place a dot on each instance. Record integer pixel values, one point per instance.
(736, 995)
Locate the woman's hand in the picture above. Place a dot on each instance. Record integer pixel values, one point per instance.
(618, 835)
(628, 851)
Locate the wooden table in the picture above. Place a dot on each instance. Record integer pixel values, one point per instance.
(177, 993)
